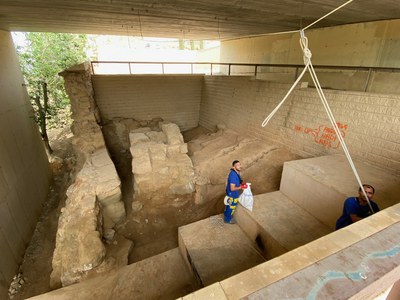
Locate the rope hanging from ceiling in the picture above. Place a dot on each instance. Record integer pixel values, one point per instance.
(309, 66)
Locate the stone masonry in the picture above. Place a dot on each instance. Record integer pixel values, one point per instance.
(161, 167)
(94, 205)
(92, 209)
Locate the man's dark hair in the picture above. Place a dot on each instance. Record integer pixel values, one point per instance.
(234, 163)
(367, 186)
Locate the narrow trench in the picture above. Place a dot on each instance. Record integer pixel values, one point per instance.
(144, 245)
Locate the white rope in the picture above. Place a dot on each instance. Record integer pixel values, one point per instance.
(323, 17)
(337, 131)
(291, 31)
(269, 117)
(308, 66)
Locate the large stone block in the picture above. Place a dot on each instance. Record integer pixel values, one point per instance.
(91, 251)
(116, 211)
(106, 173)
(100, 158)
(157, 151)
(137, 138)
(157, 136)
(141, 165)
(108, 192)
(173, 150)
(140, 150)
(174, 136)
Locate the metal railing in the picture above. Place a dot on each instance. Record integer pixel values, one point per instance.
(213, 68)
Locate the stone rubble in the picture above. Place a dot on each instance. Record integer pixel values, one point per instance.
(16, 285)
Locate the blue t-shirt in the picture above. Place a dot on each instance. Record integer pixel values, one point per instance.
(352, 207)
(235, 179)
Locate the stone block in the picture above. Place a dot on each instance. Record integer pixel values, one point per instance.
(100, 158)
(174, 136)
(183, 148)
(106, 173)
(157, 136)
(137, 138)
(91, 251)
(88, 204)
(141, 165)
(108, 192)
(173, 150)
(140, 150)
(157, 151)
(116, 211)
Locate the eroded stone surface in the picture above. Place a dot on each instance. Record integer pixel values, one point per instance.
(162, 171)
(96, 190)
(92, 209)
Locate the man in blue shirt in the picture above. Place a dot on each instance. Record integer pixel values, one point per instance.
(357, 208)
(233, 186)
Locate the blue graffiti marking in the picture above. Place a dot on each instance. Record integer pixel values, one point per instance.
(355, 276)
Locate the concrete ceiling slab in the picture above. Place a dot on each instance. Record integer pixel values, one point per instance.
(186, 19)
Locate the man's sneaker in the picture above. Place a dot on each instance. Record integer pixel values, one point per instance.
(232, 221)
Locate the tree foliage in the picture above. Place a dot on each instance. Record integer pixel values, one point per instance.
(42, 57)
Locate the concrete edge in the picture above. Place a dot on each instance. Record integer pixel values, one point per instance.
(251, 280)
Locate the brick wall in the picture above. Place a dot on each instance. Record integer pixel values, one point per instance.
(174, 98)
(370, 122)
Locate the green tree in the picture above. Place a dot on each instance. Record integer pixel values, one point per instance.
(42, 58)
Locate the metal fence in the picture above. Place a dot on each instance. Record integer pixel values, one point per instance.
(287, 71)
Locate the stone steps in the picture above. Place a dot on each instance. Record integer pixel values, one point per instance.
(278, 225)
(321, 184)
(214, 250)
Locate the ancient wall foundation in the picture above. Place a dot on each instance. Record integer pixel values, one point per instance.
(94, 205)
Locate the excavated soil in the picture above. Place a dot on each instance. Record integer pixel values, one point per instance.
(151, 232)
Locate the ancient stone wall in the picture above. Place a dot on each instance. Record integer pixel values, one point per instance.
(94, 206)
(162, 170)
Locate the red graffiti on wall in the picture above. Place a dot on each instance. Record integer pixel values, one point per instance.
(324, 135)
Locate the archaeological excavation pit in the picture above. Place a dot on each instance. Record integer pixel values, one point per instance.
(146, 202)
(143, 200)
(130, 205)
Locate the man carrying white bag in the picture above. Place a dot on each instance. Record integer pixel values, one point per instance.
(246, 198)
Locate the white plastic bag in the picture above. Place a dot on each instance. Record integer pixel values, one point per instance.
(246, 198)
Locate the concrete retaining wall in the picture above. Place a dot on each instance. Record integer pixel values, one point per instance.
(372, 44)
(370, 122)
(24, 173)
(175, 98)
